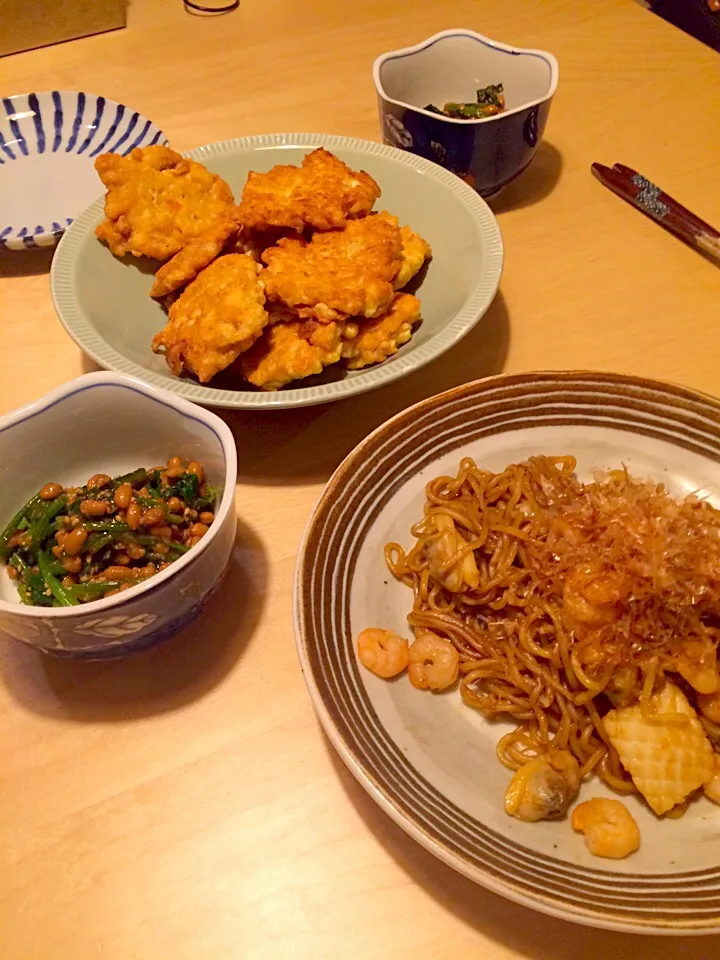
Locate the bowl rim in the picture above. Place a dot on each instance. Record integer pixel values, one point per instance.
(11, 237)
(79, 327)
(402, 52)
(90, 381)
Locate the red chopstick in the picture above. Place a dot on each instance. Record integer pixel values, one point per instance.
(661, 207)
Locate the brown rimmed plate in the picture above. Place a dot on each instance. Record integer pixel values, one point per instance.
(428, 760)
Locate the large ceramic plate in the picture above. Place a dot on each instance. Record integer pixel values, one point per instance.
(428, 760)
(104, 305)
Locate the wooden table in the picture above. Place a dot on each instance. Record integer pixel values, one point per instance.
(184, 804)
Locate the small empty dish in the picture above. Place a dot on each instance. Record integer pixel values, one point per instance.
(452, 66)
(48, 145)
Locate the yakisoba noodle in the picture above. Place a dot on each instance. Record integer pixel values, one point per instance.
(565, 599)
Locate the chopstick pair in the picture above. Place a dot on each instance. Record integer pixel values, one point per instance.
(664, 209)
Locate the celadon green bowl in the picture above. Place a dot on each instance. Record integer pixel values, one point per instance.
(104, 305)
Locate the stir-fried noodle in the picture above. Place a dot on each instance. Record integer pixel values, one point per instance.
(564, 599)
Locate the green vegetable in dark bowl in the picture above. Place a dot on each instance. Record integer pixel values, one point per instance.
(70, 546)
(490, 101)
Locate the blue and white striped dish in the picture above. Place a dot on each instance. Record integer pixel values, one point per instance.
(48, 144)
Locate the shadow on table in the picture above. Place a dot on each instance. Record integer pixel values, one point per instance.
(305, 445)
(158, 680)
(25, 263)
(534, 184)
(519, 929)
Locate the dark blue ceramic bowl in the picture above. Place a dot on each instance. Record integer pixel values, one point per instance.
(453, 65)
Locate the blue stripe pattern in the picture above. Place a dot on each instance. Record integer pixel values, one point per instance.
(130, 127)
(76, 122)
(119, 113)
(139, 139)
(5, 148)
(57, 120)
(37, 121)
(44, 123)
(18, 138)
(99, 110)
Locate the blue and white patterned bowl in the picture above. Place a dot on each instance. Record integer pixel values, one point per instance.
(113, 423)
(451, 66)
(48, 144)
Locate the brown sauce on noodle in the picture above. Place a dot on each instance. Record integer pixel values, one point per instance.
(564, 599)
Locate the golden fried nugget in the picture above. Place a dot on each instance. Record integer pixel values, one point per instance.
(192, 258)
(157, 201)
(336, 274)
(255, 242)
(291, 351)
(413, 254)
(218, 316)
(322, 193)
(415, 251)
(380, 338)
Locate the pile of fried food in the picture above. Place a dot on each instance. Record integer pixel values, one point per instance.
(300, 275)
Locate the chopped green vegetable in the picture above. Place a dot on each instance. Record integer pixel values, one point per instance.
(208, 499)
(14, 524)
(186, 487)
(148, 541)
(107, 526)
(136, 478)
(34, 542)
(40, 527)
(52, 583)
(492, 95)
(490, 101)
(99, 589)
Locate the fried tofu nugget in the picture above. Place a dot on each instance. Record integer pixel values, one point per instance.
(336, 274)
(380, 338)
(218, 316)
(291, 351)
(322, 193)
(415, 251)
(192, 258)
(157, 201)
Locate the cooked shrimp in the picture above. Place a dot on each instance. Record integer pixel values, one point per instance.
(590, 595)
(543, 788)
(609, 828)
(433, 662)
(383, 652)
(442, 549)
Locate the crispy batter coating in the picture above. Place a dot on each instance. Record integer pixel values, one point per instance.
(197, 254)
(379, 339)
(415, 251)
(291, 351)
(218, 316)
(322, 193)
(255, 242)
(337, 274)
(157, 201)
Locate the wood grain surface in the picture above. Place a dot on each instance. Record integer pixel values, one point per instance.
(184, 804)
